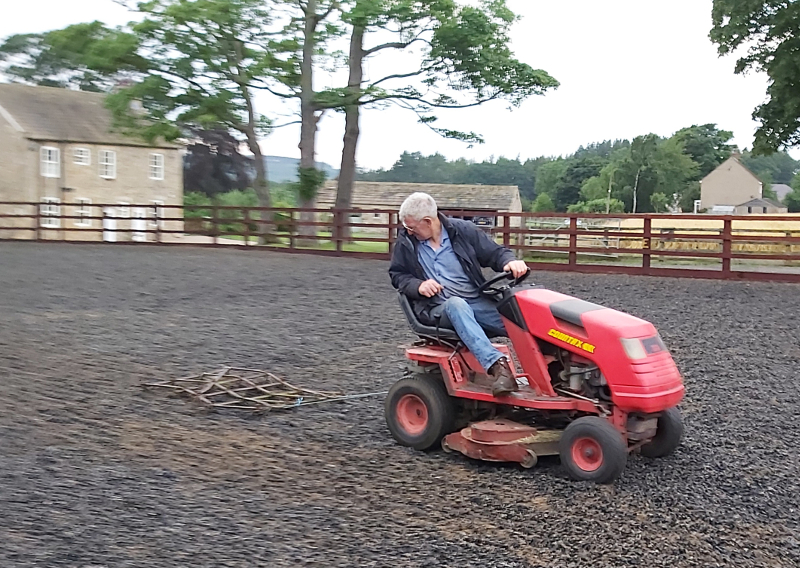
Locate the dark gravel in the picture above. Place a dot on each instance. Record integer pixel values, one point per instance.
(96, 471)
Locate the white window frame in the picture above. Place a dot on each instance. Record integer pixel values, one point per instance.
(82, 156)
(157, 166)
(83, 208)
(50, 213)
(103, 164)
(50, 162)
(156, 215)
(123, 210)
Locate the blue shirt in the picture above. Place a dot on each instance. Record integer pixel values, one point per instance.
(443, 266)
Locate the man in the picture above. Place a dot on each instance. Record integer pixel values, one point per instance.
(439, 269)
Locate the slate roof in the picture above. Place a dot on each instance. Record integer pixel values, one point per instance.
(62, 115)
(390, 195)
(781, 190)
(761, 202)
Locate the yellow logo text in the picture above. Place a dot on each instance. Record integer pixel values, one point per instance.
(588, 347)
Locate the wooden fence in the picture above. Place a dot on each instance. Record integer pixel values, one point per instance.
(753, 247)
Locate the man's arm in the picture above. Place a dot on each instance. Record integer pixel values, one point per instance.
(489, 253)
(402, 277)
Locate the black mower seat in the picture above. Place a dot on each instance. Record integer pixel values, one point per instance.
(445, 331)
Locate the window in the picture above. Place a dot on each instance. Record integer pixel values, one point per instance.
(157, 166)
(765, 209)
(84, 211)
(157, 214)
(50, 162)
(50, 211)
(124, 210)
(108, 164)
(82, 156)
(749, 209)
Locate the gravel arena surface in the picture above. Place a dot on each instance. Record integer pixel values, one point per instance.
(96, 471)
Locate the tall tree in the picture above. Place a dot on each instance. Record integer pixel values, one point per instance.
(187, 64)
(205, 58)
(213, 164)
(466, 61)
(707, 145)
(86, 57)
(579, 170)
(769, 30)
(778, 167)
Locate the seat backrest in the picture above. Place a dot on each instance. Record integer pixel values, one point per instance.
(421, 329)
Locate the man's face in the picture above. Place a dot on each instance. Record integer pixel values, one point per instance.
(422, 229)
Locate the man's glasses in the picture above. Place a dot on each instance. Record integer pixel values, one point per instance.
(412, 229)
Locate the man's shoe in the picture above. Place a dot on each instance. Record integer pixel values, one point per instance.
(504, 383)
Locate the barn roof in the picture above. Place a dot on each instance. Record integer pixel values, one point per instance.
(62, 115)
(390, 195)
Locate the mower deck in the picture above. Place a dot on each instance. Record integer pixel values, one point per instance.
(503, 441)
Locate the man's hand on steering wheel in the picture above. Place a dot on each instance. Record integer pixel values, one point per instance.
(516, 267)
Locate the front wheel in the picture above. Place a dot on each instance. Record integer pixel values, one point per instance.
(419, 412)
(669, 432)
(591, 449)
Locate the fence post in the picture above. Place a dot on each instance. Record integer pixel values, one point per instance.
(646, 240)
(214, 225)
(573, 240)
(392, 232)
(506, 234)
(727, 232)
(38, 220)
(158, 222)
(338, 225)
(246, 226)
(291, 230)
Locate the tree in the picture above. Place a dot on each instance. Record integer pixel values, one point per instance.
(549, 176)
(770, 32)
(466, 61)
(543, 204)
(597, 206)
(578, 170)
(213, 164)
(792, 199)
(186, 65)
(205, 58)
(778, 167)
(87, 57)
(659, 202)
(707, 145)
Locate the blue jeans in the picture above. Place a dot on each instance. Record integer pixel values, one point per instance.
(470, 317)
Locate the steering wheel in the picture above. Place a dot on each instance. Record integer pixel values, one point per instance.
(488, 288)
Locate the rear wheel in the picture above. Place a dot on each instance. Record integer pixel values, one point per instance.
(591, 449)
(419, 412)
(668, 434)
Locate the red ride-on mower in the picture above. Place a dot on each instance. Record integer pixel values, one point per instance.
(596, 384)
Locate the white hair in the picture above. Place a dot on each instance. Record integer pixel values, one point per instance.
(418, 206)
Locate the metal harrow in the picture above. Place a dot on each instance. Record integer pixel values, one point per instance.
(248, 389)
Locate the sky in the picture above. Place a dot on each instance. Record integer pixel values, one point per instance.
(626, 68)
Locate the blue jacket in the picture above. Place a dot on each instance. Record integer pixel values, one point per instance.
(473, 247)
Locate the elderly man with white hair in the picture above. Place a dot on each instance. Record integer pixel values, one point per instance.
(440, 272)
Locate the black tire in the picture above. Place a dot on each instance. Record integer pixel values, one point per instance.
(440, 411)
(591, 449)
(668, 435)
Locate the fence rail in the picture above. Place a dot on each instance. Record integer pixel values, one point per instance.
(753, 247)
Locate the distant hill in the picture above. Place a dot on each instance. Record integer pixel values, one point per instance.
(280, 169)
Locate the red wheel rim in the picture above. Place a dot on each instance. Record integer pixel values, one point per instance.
(587, 454)
(412, 414)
